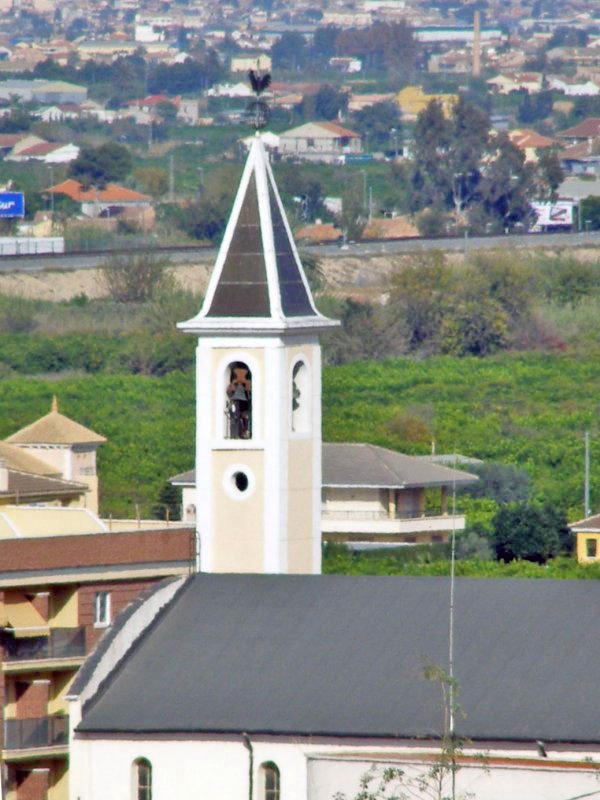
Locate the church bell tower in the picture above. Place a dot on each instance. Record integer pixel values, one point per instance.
(258, 394)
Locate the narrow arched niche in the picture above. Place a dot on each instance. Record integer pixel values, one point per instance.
(300, 398)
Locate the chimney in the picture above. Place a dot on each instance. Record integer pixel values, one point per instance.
(3, 475)
(476, 44)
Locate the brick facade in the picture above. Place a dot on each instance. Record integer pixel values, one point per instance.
(32, 698)
(32, 784)
(121, 594)
(92, 550)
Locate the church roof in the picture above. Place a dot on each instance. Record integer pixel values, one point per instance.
(258, 281)
(345, 656)
(55, 428)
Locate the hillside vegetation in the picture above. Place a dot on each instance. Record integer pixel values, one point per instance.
(498, 359)
(525, 409)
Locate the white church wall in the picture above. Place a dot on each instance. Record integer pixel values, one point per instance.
(314, 770)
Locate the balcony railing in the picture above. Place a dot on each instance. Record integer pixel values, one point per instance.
(377, 515)
(59, 643)
(23, 734)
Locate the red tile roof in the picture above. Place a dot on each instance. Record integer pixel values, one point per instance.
(112, 193)
(338, 130)
(587, 129)
(154, 100)
(526, 137)
(10, 139)
(41, 149)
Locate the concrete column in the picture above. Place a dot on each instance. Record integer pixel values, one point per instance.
(392, 503)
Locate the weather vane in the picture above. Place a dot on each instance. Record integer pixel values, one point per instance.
(258, 112)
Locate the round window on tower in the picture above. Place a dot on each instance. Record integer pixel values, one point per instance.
(239, 482)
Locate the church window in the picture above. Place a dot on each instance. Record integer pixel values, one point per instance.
(238, 404)
(300, 398)
(270, 781)
(142, 779)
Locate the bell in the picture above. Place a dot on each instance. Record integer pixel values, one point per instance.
(240, 394)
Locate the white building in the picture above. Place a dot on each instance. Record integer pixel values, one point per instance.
(319, 141)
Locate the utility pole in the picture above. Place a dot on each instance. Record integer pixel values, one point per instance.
(171, 179)
(586, 482)
(370, 203)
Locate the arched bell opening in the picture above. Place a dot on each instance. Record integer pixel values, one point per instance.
(238, 403)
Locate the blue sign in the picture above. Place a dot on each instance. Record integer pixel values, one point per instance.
(12, 204)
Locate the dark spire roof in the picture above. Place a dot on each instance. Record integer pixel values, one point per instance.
(258, 281)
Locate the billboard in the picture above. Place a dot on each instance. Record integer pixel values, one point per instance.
(12, 204)
(555, 215)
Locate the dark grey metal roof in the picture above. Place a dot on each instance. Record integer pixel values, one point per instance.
(364, 465)
(340, 655)
(243, 289)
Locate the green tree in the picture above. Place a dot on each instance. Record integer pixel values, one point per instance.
(589, 211)
(529, 532)
(474, 326)
(550, 175)
(378, 122)
(327, 103)
(419, 299)
(168, 505)
(289, 51)
(460, 167)
(97, 166)
(166, 110)
(503, 483)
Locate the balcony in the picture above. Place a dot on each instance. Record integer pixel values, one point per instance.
(59, 643)
(36, 733)
(379, 526)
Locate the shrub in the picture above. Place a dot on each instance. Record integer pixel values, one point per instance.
(132, 278)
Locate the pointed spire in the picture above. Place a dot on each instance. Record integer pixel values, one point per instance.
(54, 407)
(258, 281)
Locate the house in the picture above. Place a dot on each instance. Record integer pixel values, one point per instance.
(412, 100)
(371, 495)
(46, 152)
(259, 61)
(64, 575)
(587, 89)
(111, 201)
(318, 141)
(66, 447)
(150, 103)
(588, 128)
(346, 64)
(582, 158)
(530, 82)
(12, 144)
(587, 536)
(531, 143)
(42, 91)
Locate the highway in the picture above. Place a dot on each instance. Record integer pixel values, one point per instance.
(74, 261)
